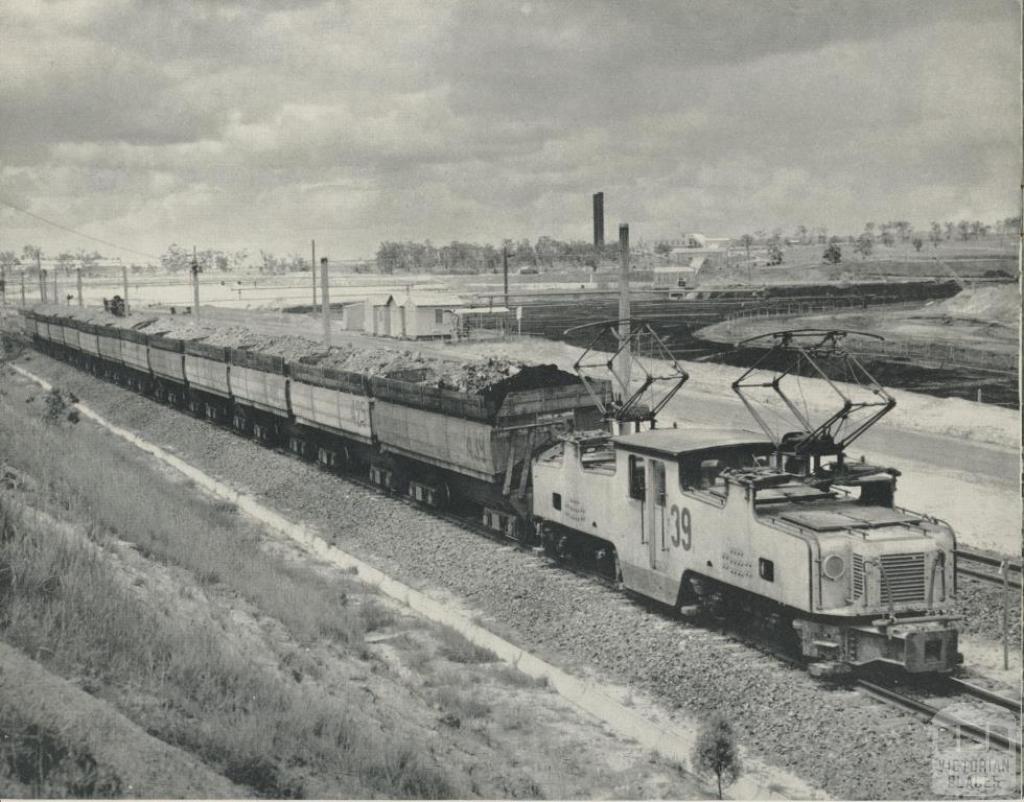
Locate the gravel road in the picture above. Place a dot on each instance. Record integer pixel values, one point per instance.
(836, 739)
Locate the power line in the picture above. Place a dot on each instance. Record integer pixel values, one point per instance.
(77, 233)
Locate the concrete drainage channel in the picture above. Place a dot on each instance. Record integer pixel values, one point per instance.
(649, 729)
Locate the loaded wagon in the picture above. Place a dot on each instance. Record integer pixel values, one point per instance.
(259, 385)
(332, 412)
(207, 370)
(438, 444)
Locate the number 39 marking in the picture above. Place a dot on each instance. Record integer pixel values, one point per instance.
(682, 527)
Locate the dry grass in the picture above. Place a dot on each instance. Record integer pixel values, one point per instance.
(64, 605)
(458, 649)
(172, 523)
(62, 602)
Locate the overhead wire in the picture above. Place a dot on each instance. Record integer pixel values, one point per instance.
(70, 230)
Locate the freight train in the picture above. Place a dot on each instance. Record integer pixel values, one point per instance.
(781, 528)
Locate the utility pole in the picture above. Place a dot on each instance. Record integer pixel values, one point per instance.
(78, 285)
(625, 357)
(23, 287)
(3, 283)
(195, 284)
(312, 269)
(325, 296)
(504, 267)
(42, 286)
(56, 286)
(124, 281)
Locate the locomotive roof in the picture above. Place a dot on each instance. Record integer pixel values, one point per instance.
(676, 442)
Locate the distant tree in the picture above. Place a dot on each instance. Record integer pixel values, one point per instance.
(64, 261)
(950, 229)
(761, 234)
(30, 253)
(8, 259)
(964, 228)
(833, 254)
(935, 235)
(775, 252)
(869, 228)
(716, 752)
(663, 249)
(887, 237)
(864, 245)
(801, 234)
(822, 232)
(918, 243)
(746, 241)
(176, 259)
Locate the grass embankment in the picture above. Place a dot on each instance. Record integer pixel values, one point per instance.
(66, 605)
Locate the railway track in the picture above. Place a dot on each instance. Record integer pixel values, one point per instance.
(895, 698)
(1005, 568)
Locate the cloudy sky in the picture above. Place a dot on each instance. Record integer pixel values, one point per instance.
(263, 125)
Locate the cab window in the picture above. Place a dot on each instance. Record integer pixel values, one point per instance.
(637, 478)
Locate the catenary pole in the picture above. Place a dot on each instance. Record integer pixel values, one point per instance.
(625, 357)
(325, 296)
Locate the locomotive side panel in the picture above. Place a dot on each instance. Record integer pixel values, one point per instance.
(71, 335)
(334, 410)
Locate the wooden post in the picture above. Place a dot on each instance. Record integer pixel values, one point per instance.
(3, 283)
(56, 286)
(325, 297)
(504, 267)
(42, 286)
(124, 282)
(312, 269)
(1004, 571)
(23, 287)
(195, 284)
(78, 285)
(625, 357)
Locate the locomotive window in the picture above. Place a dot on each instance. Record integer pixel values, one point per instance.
(637, 480)
(766, 569)
(659, 482)
(556, 500)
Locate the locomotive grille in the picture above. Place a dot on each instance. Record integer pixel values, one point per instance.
(904, 578)
(858, 576)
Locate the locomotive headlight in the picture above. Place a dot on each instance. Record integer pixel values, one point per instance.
(833, 567)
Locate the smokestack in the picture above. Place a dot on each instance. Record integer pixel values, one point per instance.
(598, 219)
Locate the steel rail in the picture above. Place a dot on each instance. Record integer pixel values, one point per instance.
(896, 699)
(984, 694)
(994, 579)
(977, 557)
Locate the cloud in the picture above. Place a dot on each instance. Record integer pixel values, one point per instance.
(260, 125)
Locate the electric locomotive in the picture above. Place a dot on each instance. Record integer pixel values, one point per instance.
(782, 527)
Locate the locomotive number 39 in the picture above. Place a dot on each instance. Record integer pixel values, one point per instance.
(682, 527)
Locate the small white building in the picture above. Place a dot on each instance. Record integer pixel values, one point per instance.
(413, 315)
(430, 315)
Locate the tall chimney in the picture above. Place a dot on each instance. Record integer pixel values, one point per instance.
(598, 219)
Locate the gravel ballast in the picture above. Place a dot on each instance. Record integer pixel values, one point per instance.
(836, 739)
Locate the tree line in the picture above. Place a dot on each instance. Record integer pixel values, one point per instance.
(470, 257)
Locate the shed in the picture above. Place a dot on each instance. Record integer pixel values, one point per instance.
(430, 315)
